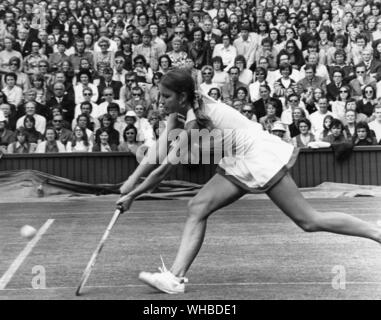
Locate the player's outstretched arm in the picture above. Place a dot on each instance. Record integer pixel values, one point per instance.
(159, 173)
(154, 156)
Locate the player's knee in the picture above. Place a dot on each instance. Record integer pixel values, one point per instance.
(198, 208)
(309, 225)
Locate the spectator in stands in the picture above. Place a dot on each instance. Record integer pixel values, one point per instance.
(337, 134)
(62, 100)
(368, 102)
(104, 144)
(6, 136)
(361, 80)
(34, 136)
(215, 93)
(11, 90)
(39, 121)
(305, 136)
(22, 78)
(130, 143)
(80, 141)
(260, 105)
(83, 121)
(107, 82)
(8, 113)
(363, 135)
(107, 124)
(21, 145)
(63, 134)
(375, 125)
(51, 144)
(85, 80)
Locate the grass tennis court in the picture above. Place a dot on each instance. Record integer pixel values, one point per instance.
(251, 251)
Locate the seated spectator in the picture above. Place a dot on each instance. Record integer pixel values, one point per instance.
(338, 106)
(145, 133)
(6, 136)
(284, 82)
(220, 77)
(279, 130)
(215, 93)
(21, 145)
(51, 143)
(242, 94)
(297, 114)
(368, 102)
(137, 98)
(63, 134)
(154, 93)
(107, 124)
(362, 79)
(130, 144)
(107, 82)
(245, 74)
(11, 90)
(85, 80)
(9, 114)
(62, 100)
(305, 136)
(375, 125)
(207, 74)
(34, 136)
(350, 123)
(363, 135)
(103, 143)
(80, 141)
(270, 118)
(260, 105)
(337, 134)
(248, 111)
(30, 110)
(177, 56)
(310, 82)
(83, 121)
(352, 105)
(22, 78)
(37, 82)
(143, 71)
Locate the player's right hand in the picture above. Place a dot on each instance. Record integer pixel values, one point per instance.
(125, 202)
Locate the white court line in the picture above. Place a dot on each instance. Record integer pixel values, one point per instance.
(23, 254)
(208, 285)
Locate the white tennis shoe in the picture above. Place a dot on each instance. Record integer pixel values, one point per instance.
(164, 280)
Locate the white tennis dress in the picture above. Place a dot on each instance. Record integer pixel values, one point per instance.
(253, 158)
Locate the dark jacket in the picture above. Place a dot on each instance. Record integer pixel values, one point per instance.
(115, 85)
(260, 108)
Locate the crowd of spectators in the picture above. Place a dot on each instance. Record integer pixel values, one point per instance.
(83, 76)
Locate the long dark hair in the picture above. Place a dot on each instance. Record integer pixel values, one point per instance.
(179, 81)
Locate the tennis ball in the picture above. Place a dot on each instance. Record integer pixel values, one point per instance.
(28, 232)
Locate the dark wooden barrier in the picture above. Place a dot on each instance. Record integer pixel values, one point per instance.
(312, 167)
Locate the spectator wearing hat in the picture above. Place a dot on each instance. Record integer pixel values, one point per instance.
(278, 129)
(146, 49)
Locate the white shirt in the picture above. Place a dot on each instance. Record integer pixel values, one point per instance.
(317, 119)
(254, 90)
(376, 127)
(41, 147)
(14, 95)
(246, 48)
(79, 147)
(206, 87)
(227, 54)
(113, 46)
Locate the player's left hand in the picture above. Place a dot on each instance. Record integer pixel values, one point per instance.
(125, 202)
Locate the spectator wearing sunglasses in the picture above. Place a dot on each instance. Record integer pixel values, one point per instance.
(362, 79)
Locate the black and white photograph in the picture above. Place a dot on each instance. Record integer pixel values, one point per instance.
(190, 156)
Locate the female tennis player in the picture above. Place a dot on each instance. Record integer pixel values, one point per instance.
(258, 161)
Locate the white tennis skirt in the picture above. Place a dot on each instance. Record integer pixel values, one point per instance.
(263, 163)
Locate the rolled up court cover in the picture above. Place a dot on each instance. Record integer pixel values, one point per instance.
(18, 184)
(31, 184)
